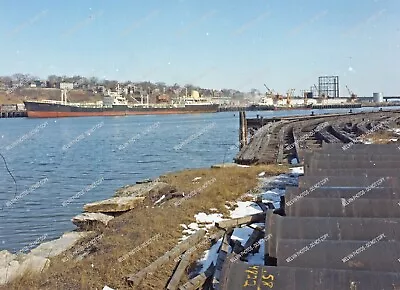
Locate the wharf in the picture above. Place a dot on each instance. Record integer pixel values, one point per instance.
(284, 108)
(285, 139)
(13, 114)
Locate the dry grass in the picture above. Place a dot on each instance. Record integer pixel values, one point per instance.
(20, 95)
(134, 228)
(381, 137)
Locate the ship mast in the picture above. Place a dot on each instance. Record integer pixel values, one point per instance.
(64, 96)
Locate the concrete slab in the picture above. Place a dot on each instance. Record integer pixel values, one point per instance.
(338, 228)
(349, 164)
(349, 181)
(237, 276)
(351, 156)
(352, 148)
(382, 193)
(341, 255)
(335, 207)
(355, 172)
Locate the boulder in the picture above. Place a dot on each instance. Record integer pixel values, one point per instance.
(114, 205)
(91, 219)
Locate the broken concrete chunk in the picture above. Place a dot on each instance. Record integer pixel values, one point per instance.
(91, 219)
(116, 204)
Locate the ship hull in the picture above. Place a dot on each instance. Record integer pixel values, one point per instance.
(49, 110)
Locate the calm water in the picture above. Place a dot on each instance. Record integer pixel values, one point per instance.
(53, 160)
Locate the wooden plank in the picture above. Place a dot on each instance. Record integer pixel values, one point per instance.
(180, 270)
(295, 133)
(251, 152)
(221, 257)
(211, 240)
(136, 278)
(281, 143)
(199, 280)
(250, 219)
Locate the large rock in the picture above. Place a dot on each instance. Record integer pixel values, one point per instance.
(6, 257)
(34, 264)
(155, 188)
(56, 247)
(91, 219)
(14, 266)
(112, 205)
(8, 271)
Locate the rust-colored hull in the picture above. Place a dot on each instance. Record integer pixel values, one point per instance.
(50, 110)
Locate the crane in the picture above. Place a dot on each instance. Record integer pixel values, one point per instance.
(353, 96)
(270, 93)
(289, 96)
(305, 97)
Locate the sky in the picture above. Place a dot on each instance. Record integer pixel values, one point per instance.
(238, 44)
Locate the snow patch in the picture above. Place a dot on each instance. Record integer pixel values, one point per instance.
(245, 208)
(242, 234)
(193, 226)
(208, 218)
(210, 256)
(161, 199)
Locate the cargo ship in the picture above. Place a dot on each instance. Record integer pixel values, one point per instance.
(115, 104)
